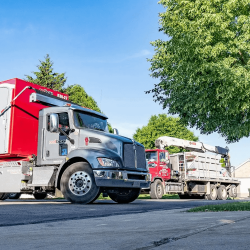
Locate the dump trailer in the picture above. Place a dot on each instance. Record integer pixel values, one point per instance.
(203, 172)
(49, 143)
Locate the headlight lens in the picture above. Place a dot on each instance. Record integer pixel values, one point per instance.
(106, 162)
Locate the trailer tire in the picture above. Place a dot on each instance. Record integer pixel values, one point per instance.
(78, 183)
(14, 196)
(156, 189)
(213, 193)
(40, 196)
(184, 196)
(222, 193)
(125, 195)
(233, 191)
(4, 196)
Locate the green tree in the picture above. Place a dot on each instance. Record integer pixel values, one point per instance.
(46, 77)
(204, 66)
(162, 125)
(78, 95)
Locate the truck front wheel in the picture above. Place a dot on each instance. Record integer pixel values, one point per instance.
(78, 183)
(156, 190)
(125, 195)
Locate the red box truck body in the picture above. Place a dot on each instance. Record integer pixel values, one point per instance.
(19, 124)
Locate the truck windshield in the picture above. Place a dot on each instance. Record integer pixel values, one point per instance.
(92, 121)
(151, 156)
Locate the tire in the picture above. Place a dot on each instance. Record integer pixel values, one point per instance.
(125, 195)
(213, 193)
(184, 196)
(222, 193)
(233, 191)
(78, 184)
(14, 196)
(156, 190)
(4, 196)
(40, 196)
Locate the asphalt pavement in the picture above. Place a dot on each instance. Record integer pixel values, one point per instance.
(143, 224)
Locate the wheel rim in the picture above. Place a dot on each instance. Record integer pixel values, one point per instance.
(158, 190)
(80, 183)
(214, 192)
(224, 193)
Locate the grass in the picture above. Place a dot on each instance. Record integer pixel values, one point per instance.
(236, 206)
(165, 196)
(145, 196)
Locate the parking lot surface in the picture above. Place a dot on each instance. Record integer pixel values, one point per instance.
(143, 224)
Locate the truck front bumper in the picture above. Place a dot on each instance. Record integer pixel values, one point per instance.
(123, 179)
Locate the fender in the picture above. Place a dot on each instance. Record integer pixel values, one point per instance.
(88, 155)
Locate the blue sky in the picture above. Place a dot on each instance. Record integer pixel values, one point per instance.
(101, 45)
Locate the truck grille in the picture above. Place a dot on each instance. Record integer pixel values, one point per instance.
(130, 158)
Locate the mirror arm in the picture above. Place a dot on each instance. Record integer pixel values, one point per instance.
(71, 140)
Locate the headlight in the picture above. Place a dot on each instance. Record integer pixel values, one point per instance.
(106, 162)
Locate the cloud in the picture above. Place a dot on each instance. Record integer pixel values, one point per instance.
(142, 53)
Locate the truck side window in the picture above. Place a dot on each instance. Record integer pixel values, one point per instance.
(162, 157)
(63, 121)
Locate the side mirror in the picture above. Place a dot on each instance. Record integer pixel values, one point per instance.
(116, 131)
(54, 123)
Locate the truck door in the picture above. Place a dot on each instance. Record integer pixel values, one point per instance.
(56, 145)
(164, 171)
(152, 160)
(5, 95)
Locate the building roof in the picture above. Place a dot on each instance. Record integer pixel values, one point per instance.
(242, 164)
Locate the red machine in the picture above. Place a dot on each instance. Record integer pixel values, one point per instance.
(159, 167)
(19, 117)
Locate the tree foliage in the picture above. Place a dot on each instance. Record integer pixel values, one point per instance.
(204, 67)
(46, 77)
(162, 125)
(78, 95)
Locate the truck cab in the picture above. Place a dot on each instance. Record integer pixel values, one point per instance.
(159, 167)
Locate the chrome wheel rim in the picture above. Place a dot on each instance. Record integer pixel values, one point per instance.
(80, 183)
(158, 189)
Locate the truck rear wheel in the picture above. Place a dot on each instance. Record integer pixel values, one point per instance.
(4, 196)
(222, 193)
(78, 183)
(40, 196)
(125, 195)
(213, 193)
(233, 191)
(184, 196)
(156, 190)
(14, 196)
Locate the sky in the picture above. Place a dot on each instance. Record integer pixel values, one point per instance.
(103, 46)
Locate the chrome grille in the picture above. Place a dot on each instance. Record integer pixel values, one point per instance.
(129, 156)
(141, 159)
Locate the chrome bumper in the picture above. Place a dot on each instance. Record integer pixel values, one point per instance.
(124, 179)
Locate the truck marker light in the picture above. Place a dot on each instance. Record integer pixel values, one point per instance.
(86, 141)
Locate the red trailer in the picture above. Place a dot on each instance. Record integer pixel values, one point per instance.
(19, 141)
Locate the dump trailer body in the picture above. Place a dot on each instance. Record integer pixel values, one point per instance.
(198, 172)
(19, 123)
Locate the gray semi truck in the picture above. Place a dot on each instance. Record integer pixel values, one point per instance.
(75, 152)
